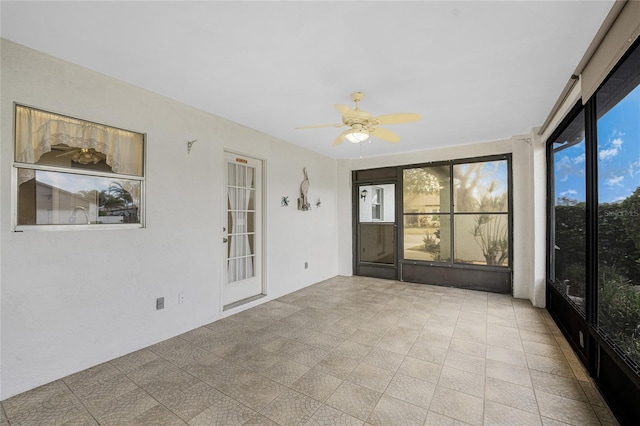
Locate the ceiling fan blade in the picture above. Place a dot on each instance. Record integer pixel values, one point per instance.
(320, 126)
(400, 118)
(345, 110)
(341, 137)
(384, 134)
(72, 151)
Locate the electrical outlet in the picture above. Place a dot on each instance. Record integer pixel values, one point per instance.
(159, 303)
(306, 265)
(181, 297)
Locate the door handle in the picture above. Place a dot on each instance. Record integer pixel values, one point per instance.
(224, 240)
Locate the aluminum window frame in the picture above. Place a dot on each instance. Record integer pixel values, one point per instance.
(85, 172)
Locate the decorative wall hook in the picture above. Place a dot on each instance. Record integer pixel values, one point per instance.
(285, 201)
(318, 203)
(190, 144)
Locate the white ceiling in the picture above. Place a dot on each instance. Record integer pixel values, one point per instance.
(476, 71)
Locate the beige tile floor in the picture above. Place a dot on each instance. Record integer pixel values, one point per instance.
(346, 351)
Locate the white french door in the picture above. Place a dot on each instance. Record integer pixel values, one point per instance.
(242, 232)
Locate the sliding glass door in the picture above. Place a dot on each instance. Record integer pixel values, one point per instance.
(593, 289)
(618, 218)
(568, 270)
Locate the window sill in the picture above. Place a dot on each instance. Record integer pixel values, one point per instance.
(88, 227)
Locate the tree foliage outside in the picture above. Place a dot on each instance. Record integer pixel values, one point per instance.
(490, 230)
(570, 249)
(619, 311)
(466, 182)
(432, 239)
(117, 201)
(109, 202)
(618, 265)
(421, 181)
(619, 273)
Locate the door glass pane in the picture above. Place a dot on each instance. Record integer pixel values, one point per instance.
(241, 177)
(618, 103)
(240, 268)
(426, 190)
(251, 222)
(427, 237)
(481, 239)
(241, 223)
(568, 273)
(231, 174)
(232, 195)
(252, 200)
(250, 242)
(377, 243)
(251, 173)
(250, 267)
(377, 223)
(377, 203)
(481, 187)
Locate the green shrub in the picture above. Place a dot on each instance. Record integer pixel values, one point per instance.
(619, 311)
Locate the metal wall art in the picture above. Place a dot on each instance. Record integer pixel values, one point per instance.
(303, 202)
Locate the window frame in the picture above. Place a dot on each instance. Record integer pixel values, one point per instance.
(576, 112)
(616, 374)
(16, 165)
(380, 204)
(452, 214)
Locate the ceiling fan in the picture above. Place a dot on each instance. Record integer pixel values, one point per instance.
(84, 155)
(362, 124)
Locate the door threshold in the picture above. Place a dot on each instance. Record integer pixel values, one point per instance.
(243, 302)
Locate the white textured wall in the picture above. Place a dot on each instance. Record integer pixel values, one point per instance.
(524, 250)
(345, 242)
(71, 300)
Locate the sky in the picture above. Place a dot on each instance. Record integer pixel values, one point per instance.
(72, 182)
(491, 172)
(618, 156)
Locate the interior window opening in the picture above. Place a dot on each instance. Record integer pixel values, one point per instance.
(75, 172)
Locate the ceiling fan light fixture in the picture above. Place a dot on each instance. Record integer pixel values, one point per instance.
(361, 123)
(357, 136)
(85, 156)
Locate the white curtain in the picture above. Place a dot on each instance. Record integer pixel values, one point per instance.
(247, 192)
(233, 246)
(247, 249)
(240, 263)
(37, 130)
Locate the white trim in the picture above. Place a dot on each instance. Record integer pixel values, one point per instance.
(263, 224)
(93, 227)
(85, 172)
